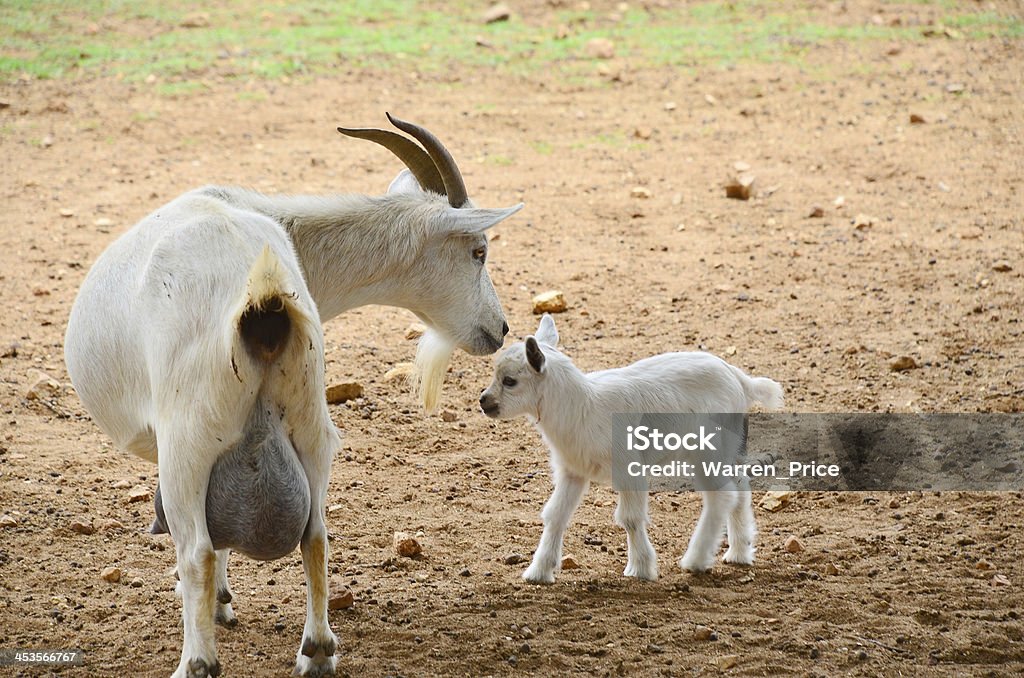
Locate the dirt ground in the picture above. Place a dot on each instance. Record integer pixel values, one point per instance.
(920, 222)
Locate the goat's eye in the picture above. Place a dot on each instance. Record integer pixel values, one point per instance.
(508, 382)
(480, 254)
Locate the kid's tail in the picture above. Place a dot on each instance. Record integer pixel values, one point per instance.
(761, 390)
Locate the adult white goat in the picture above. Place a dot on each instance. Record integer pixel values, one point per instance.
(195, 342)
(573, 412)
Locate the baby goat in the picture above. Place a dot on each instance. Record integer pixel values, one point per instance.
(195, 342)
(573, 412)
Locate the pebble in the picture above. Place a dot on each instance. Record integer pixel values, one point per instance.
(600, 48)
(82, 527)
(1002, 266)
(339, 393)
(339, 597)
(137, 583)
(139, 493)
(103, 222)
(817, 212)
(109, 525)
(776, 500)
(111, 574)
(983, 565)
(415, 331)
(42, 386)
(497, 12)
(448, 415)
(727, 662)
(66, 213)
(406, 545)
(793, 545)
(400, 371)
(864, 221)
(902, 364)
(552, 301)
(740, 187)
(894, 503)
(831, 569)
(1000, 580)
(569, 563)
(8, 521)
(654, 649)
(703, 633)
(513, 559)
(640, 192)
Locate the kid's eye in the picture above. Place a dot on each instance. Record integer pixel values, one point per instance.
(508, 382)
(480, 254)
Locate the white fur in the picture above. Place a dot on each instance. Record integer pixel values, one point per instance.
(154, 351)
(573, 412)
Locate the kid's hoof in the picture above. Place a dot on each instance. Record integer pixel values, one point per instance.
(199, 668)
(223, 596)
(314, 667)
(536, 575)
(312, 648)
(739, 557)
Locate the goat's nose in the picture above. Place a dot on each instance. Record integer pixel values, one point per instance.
(504, 329)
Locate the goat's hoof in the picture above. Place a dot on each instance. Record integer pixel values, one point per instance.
(226, 616)
(696, 565)
(739, 556)
(644, 573)
(537, 575)
(314, 667)
(200, 668)
(224, 596)
(326, 647)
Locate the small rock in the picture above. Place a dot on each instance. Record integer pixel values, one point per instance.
(448, 415)
(42, 386)
(513, 559)
(955, 87)
(863, 221)
(902, 364)
(831, 569)
(839, 202)
(983, 565)
(415, 331)
(136, 583)
(640, 192)
(111, 574)
(526, 632)
(727, 662)
(817, 212)
(642, 132)
(66, 213)
(710, 98)
(139, 493)
(195, 20)
(741, 166)
(894, 503)
(1000, 580)
(339, 597)
(497, 12)
(569, 563)
(339, 393)
(654, 649)
(47, 141)
(122, 484)
(8, 521)
(1002, 266)
(407, 546)
(793, 545)
(82, 527)
(731, 350)
(739, 187)
(916, 119)
(552, 301)
(600, 48)
(464, 572)
(400, 371)
(103, 222)
(776, 500)
(110, 524)
(703, 633)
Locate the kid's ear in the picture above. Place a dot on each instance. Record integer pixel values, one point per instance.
(546, 332)
(534, 355)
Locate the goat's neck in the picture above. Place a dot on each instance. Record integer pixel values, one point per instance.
(354, 250)
(567, 402)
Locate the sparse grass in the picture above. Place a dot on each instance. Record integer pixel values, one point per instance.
(133, 39)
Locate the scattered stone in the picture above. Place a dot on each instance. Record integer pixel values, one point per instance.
(400, 371)
(110, 524)
(481, 41)
(464, 572)
(863, 221)
(103, 222)
(831, 569)
(727, 662)
(916, 119)
(339, 393)
(195, 20)
(740, 186)
(11, 351)
(793, 545)
(7, 520)
(817, 212)
(122, 484)
(1009, 467)
(407, 546)
(640, 192)
(1002, 266)
(139, 493)
(339, 597)
(741, 166)
(600, 48)
(710, 98)
(552, 301)
(82, 527)
(1000, 580)
(654, 649)
(955, 87)
(514, 559)
(731, 350)
(776, 500)
(902, 364)
(670, 106)
(47, 141)
(839, 202)
(111, 574)
(526, 632)
(562, 32)
(703, 633)
(66, 213)
(983, 565)
(137, 583)
(42, 386)
(415, 331)
(642, 132)
(448, 416)
(497, 12)
(569, 563)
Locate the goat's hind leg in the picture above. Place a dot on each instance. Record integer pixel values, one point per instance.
(707, 535)
(224, 615)
(631, 514)
(742, 528)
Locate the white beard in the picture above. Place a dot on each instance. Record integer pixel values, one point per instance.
(433, 354)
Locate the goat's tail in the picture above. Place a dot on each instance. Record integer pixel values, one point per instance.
(760, 390)
(268, 311)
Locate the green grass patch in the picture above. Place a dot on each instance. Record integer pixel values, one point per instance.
(177, 42)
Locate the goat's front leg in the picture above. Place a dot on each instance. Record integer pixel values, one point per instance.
(224, 614)
(183, 482)
(631, 515)
(547, 559)
(316, 654)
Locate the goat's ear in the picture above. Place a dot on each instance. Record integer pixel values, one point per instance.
(546, 332)
(405, 182)
(534, 355)
(472, 220)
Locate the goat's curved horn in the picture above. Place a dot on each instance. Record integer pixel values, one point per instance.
(455, 187)
(409, 152)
